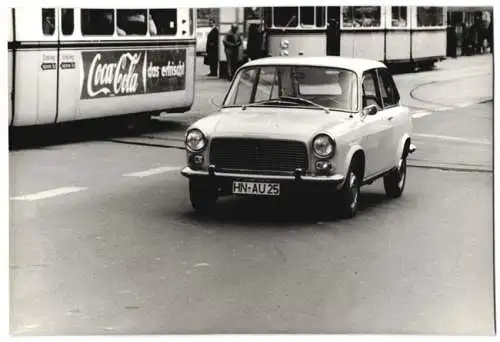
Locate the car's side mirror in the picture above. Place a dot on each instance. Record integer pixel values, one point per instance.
(370, 110)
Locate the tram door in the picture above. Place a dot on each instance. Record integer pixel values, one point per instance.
(48, 69)
(333, 31)
(69, 68)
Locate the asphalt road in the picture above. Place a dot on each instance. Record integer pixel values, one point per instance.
(104, 241)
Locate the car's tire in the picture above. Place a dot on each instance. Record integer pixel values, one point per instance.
(203, 196)
(395, 180)
(349, 195)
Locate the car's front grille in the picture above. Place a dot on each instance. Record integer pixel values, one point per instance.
(258, 154)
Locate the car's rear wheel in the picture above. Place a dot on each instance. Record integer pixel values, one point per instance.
(349, 195)
(203, 196)
(394, 182)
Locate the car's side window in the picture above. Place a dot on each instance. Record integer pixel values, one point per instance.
(388, 88)
(371, 93)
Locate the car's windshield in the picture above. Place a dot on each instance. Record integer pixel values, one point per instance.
(288, 85)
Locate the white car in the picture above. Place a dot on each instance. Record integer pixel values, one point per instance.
(323, 124)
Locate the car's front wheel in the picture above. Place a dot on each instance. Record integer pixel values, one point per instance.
(394, 182)
(203, 196)
(349, 196)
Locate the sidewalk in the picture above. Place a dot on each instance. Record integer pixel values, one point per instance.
(464, 62)
(454, 83)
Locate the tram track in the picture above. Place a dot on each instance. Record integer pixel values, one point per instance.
(412, 163)
(451, 80)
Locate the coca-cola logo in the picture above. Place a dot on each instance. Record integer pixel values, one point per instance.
(122, 73)
(119, 78)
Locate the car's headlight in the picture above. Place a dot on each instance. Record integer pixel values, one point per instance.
(195, 140)
(323, 146)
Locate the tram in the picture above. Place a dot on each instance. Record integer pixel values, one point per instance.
(391, 34)
(67, 64)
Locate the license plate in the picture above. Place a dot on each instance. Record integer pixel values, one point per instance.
(251, 188)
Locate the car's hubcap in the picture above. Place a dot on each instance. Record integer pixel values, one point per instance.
(402, 173)
(353, 184)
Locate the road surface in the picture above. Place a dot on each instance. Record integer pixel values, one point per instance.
(103, 239)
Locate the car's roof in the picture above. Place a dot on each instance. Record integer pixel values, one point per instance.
(356, 64)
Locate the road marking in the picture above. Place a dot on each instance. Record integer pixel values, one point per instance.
(152, 172)
(443, 109)
(464, 104)
(420, 114)
(449, 138)
(48, 194)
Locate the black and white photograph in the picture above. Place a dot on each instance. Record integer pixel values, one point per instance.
(215, 170)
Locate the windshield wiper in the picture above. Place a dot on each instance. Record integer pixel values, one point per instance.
(300, 99)
(263, 103)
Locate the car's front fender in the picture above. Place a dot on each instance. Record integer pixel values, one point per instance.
(405, 140)
(343, 166)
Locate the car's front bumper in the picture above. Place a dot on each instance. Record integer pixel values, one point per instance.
(297, 179)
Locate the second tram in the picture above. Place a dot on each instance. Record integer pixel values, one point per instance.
(409, 35)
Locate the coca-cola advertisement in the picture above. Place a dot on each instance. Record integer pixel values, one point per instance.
(124, 73)
(166, 70)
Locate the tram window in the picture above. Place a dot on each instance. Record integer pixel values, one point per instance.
(97, 22)
(165, 21)
(132, 22)
(307, 16)
(361, 16)
(252, 13)
(388, 88)
(48, 21)
(67, 21)
(320, 16)
(399, 16)
(455, 18)
(285, 16)
(429, 16)
(267, 14)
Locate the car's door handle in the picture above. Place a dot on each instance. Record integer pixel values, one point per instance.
(390, 118)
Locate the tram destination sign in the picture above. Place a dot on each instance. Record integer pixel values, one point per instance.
(134, 72)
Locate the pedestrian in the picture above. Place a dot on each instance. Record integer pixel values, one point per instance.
(264, 47)
(254, 42)
(490, 35)
(212, 49)
(466, 38)
(233, 44)
(475, 31)
(451, 41)
(332, 38)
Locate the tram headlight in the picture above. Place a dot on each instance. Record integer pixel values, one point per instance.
(284, 44)
(195, 140)
(323, 146)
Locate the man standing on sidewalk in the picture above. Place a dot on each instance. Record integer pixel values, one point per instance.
(254, 42)
(233, 44)
(212, 49)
